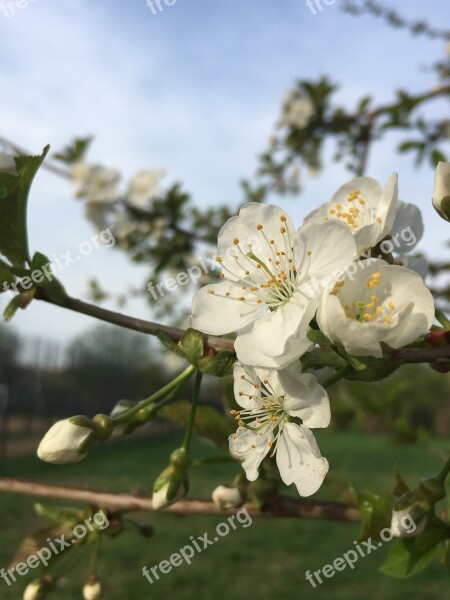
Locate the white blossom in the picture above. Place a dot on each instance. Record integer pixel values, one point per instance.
(403, 525)
(367, 209)
(144, 187)
(269, 270)
(92, 590)
(297, 111)
(380, 303)
(279, 408)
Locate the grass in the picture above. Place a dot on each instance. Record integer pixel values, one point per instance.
(267, 559)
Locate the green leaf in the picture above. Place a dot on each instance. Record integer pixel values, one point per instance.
(376, 513)
(436, 157)
(22, 300)
(408, 556)
(209, 423)
(6, 277)
(8, 184)
(50, 284)
(318, 337)
(13, 211)
(74, 152)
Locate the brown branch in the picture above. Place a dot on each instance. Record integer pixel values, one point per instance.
(127, 322)
(402, 356)
(283, 508)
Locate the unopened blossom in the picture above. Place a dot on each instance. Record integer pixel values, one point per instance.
(379, 303)
(225, 497)
(365, 207)
(279, 408)
(160, 498)
(441, 192)
(65, 443)
(267, 293)
(144, 187)
(403, 524)
(7, 164)
(92, 589)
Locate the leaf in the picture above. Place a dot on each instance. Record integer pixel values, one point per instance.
(8, 184)
(318, 337)
(38, 540)
(20, 301)
(50, 284)
(209, 423)
(74, 152)
(13, 211)
(436, 157)
(408, 556)
(6, 277)
(376, 513)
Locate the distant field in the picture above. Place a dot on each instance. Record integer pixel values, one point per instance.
(266, 560)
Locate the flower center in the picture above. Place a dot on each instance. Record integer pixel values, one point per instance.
(268, 411)
(356, 213)
(371, 309)
(267, 276)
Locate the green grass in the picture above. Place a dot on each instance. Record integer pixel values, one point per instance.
(262, 561)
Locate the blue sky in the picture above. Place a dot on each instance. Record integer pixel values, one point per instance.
(195, 89)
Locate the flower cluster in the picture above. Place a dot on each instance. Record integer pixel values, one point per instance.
(280, 282)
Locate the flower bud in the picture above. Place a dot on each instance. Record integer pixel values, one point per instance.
(7, 164)
(171, 486)
(92, 589)
(67, 441)
(409, 516)
(441, 194)
(225, 497)
(39, 588)
(103, 427)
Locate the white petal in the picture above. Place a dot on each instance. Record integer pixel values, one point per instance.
(387, 205)
(299, 460)
(251, 448)
(305, 398)
(245, 378)
(408, 228)
(279, 337)
(216, 314)
(332, 247)
(243, 228)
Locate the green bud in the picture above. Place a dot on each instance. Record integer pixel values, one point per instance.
(180, 459)
(171, 485)
(103, 427)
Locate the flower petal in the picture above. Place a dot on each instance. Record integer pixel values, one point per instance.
(279, 337)
(299, 460)
(251, 448)
(216, 314)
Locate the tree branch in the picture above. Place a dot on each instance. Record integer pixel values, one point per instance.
(283, 508)
(402, 356)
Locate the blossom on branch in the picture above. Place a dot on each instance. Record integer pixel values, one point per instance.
(269, 269)
(378, 304)
(365, 207)
(279, 408)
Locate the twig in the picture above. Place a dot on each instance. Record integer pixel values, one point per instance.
(283, 508)
(402, 356)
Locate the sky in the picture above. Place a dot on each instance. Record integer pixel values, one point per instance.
(196, 89)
